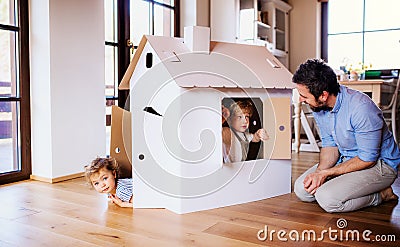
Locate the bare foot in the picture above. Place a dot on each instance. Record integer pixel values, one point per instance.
(387, 194)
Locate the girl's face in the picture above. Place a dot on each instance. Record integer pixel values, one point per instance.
(240, 121)
(104, 181)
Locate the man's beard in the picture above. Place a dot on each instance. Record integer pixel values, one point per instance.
(321, 107)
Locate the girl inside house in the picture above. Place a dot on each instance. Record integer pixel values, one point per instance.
(102, 174)
(236, 138)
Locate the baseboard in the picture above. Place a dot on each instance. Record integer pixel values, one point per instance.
(58, 179)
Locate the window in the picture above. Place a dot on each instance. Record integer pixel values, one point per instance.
(361, 31)
(126, 21)
(241, 119)
(152, 17)
(14, 92)
(111, 53)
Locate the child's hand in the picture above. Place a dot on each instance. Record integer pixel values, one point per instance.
(260, 135)
(119, 202)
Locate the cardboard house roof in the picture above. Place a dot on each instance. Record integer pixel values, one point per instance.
(227, 65)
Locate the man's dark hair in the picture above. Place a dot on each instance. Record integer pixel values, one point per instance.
(317, 76)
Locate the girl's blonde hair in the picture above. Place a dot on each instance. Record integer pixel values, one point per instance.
(99, 163)
(238, 107)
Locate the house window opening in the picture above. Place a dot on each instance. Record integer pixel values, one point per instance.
(242, 130)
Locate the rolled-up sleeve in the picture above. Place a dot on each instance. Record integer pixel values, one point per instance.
(368, 122)
(325, 131)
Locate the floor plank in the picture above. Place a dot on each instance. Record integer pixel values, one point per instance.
(70, 214)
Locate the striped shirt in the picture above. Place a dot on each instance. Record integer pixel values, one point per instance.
(124, 189)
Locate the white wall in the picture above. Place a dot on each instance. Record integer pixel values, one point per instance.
(222, 12)
(203, 13)
(67, 85)
(305, 35)
(41, 140)
(194, 13)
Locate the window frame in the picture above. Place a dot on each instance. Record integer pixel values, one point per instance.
(325, 33)
(23, 94)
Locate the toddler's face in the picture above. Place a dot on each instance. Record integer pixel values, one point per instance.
(240, 121)
(104, 181)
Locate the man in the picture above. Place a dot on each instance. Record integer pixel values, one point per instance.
(359, 157)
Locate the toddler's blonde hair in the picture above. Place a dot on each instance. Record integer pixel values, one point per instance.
(99, 163)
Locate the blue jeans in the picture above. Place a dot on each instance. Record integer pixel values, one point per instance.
(350, 191)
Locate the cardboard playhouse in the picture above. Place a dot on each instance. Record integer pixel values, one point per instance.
(172, 135)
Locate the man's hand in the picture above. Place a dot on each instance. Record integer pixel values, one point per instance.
(314, 180)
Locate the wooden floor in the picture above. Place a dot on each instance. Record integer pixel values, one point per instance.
(69, 214)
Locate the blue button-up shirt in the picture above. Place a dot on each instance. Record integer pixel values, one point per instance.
(356, 126)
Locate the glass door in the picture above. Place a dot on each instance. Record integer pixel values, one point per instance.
(126, 21)
(14, 92)
(280, 30)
